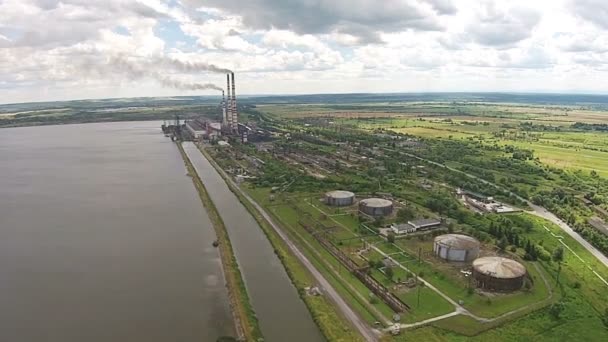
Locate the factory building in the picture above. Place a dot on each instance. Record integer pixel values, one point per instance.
(197, 128)
(415, 226)
(376, 207)
(200, 128)
(456, 247)
(339, 198)
(498, 274)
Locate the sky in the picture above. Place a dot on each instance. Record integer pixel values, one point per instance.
(82, 49)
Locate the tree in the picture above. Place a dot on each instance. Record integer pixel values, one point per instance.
(406, 214)
(556, 309)
(558, 254)
(390, 237)
(389, 273)
(502, 243)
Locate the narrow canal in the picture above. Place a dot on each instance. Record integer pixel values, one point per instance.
(282, 315)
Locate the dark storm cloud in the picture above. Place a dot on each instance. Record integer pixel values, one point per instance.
(364, 19)
(595, 11)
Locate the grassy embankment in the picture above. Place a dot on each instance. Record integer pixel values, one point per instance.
(333, 326)
(245, 317)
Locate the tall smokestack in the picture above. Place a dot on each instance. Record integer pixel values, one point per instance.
(224, 109)
(235, 115)
(228, 104)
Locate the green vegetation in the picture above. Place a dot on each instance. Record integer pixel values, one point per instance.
(482, 148)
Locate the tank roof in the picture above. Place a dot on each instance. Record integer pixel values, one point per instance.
(499, 267)
(340, 194)
(377, 202)
(457, 241)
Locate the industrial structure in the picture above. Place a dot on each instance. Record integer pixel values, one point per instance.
(376, 207)
(498, 274)
(456, 247)
(339, 198)
(202, 128)
(415, 226)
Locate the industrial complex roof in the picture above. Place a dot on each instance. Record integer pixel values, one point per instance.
(340, 194)
(499, 267)
(458, 241)
(377, 202)
(425, 222)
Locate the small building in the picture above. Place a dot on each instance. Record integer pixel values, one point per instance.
(423, 224)
(415, 226)
(402, 228)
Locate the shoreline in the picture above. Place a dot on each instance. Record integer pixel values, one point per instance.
(245, 321)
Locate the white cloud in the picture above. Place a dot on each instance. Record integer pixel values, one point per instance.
(52, 49)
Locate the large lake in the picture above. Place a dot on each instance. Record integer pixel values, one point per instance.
(103, 238)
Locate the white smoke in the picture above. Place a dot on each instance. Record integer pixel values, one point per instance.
(149, 69)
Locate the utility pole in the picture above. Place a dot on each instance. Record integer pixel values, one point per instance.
(418, 294)
(559, 269)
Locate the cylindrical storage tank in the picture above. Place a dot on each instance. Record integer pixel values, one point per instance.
(339, 198)
(456, 247)
(498, 274)
(376, 207)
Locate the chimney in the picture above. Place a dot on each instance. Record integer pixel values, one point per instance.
(227, 104)
(235, 115)
(223, 109)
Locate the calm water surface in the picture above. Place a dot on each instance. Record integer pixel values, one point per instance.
(103, 238)
(282, 314)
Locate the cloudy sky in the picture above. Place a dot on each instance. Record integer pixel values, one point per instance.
(75, 49)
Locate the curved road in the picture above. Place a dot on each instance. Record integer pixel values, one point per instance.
(362, 327)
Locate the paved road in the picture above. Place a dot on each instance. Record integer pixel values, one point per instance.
(364, 329)
(542, 212)
(536, 210)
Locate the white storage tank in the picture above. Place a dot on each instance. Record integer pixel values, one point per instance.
(339, 198)
(456, 247)
(376, 207)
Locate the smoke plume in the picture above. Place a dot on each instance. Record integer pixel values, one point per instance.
(139, 70)
(178, 84)
(193, 66)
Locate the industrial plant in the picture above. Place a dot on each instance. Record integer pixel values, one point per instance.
(456, 247)
(202, 128)
(498, 274)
